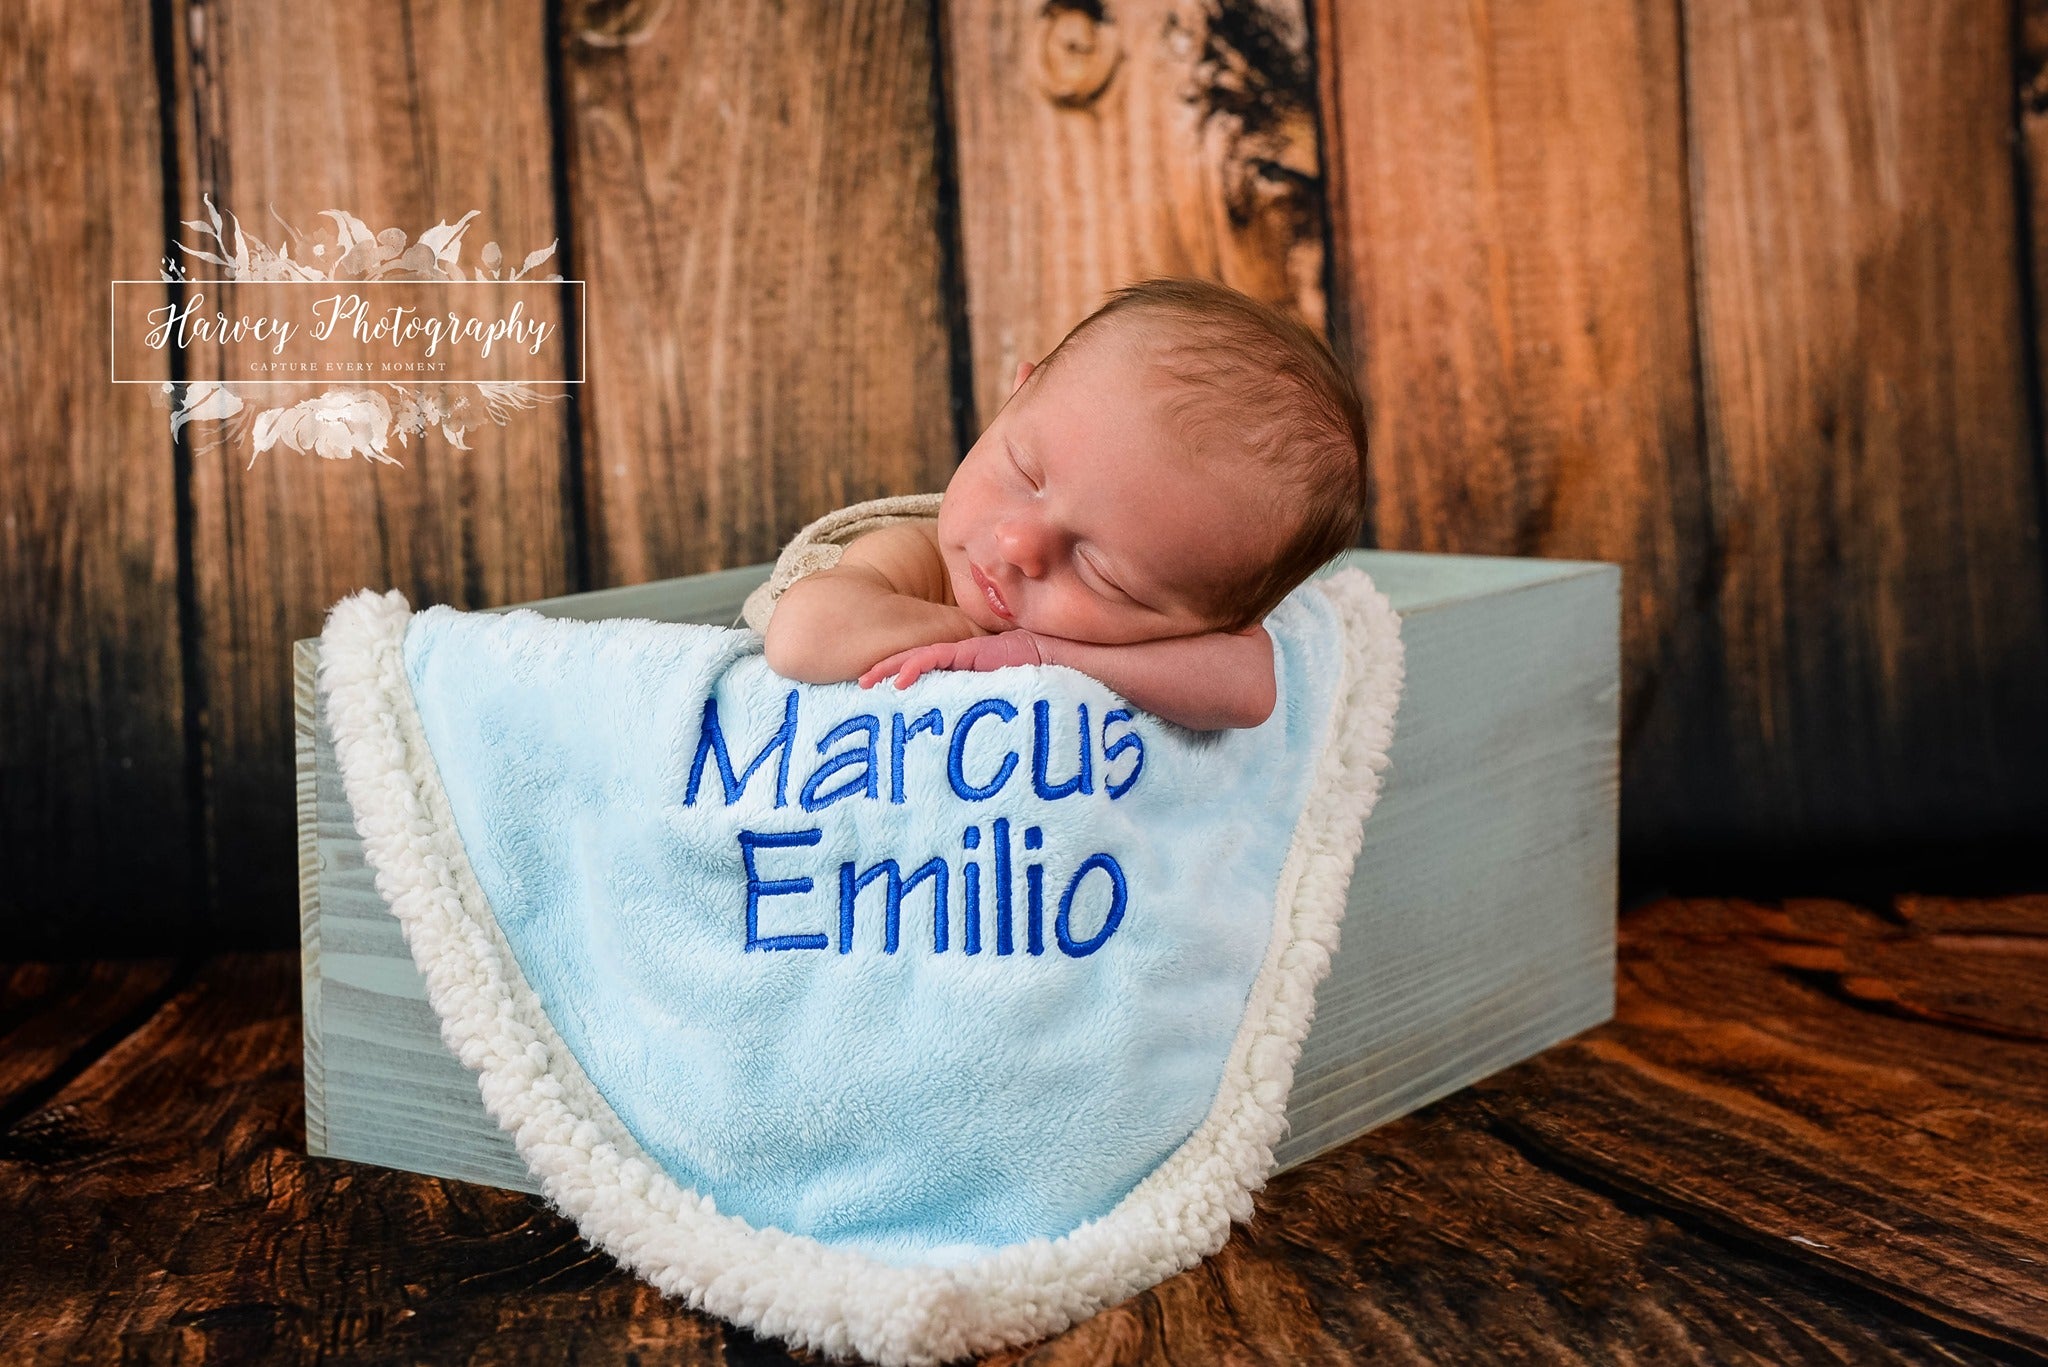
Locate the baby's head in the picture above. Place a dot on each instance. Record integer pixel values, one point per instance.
(1178, 464)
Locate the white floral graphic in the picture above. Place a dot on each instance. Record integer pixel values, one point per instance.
(358, 419)
(336, 425)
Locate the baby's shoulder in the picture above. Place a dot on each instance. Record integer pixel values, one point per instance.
(907, 555)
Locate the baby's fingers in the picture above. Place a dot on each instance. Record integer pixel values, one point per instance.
(882, 669)
(917, 665)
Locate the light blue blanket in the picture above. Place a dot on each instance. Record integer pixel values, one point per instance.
(919, 975)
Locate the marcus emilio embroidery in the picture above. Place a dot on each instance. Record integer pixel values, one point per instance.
(859, 739)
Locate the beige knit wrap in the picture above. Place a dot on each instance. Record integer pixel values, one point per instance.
(820, 545)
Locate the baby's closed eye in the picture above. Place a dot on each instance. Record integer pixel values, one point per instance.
(1101, 578)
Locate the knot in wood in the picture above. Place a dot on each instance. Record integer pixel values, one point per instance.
(1079, 49)
(615, 23)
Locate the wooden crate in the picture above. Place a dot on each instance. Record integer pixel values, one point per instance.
(1480, 927)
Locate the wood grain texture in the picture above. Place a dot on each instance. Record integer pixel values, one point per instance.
(1479, 927)
(756, 206)
(92, 727)
(1511, 263)
(1436, 1240)
(404, 115)
(1880, 597)
(56, 1019)
(1100, 144)
(1803, 1075)
(1564, 1211)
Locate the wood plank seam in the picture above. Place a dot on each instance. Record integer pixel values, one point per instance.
(91, 1052)
(1894, 1301)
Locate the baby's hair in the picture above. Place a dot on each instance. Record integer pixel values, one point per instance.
(1241, 376)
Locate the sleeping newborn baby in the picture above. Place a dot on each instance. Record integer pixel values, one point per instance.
(1149, 492)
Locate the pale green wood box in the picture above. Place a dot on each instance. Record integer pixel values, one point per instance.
(1480, 926)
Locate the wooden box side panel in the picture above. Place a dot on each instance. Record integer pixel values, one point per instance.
(390, 1092)
(1480, 924)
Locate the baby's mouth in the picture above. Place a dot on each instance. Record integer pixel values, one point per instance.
(988, 591)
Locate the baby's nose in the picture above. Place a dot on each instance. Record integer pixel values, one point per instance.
(1024, 547)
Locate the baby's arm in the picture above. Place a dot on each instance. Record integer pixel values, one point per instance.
(1208, 682)
(1205, 683)
(886, 594)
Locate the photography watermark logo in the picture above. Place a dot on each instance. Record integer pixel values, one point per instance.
(355, 340)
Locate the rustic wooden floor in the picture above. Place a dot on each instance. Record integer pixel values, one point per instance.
(1815, 1132)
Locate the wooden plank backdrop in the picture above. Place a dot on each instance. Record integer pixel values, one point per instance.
(1883, 635)
(1098, 145)
(1743, 296)
(1509, 227)
(403, 116)
(754, 193)
(93, 727)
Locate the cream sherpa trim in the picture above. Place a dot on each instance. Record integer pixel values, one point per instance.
(791, 1286)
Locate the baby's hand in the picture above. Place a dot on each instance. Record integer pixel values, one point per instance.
(983, 653)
